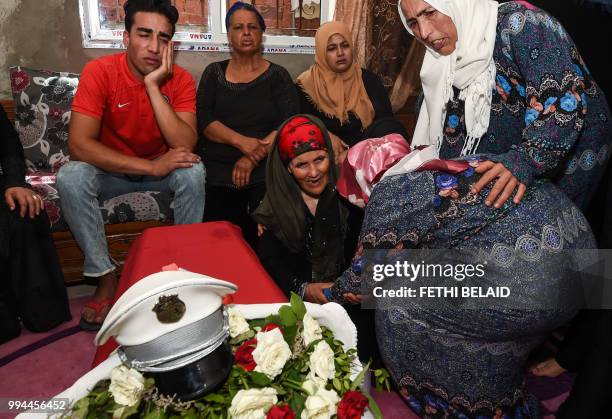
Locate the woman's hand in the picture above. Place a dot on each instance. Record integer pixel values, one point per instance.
(261, 229)
(353, 298)
(340, 148)
(505, 186)
(29, 201)
(313, 293)
(259, 153)
(247, 145)
(241, 175)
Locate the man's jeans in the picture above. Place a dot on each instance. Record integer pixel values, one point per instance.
(82, 187)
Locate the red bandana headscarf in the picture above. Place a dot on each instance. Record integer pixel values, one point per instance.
(299, 136)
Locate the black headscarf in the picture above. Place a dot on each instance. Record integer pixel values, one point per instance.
(284, 213)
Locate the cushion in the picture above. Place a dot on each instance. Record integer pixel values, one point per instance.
(135, 206)
(42, 112)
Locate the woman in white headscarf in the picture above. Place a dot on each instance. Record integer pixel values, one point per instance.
(506, 79)
(505, 82)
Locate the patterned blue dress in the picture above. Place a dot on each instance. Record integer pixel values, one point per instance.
(548, 118)
(550, 126)
(451, 361)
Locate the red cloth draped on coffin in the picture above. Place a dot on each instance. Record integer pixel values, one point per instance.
(215, 249)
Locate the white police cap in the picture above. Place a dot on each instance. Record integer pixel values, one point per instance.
(168, 320)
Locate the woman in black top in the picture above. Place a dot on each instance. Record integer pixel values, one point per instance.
(310, 232)
(352, 102)
(31, 281)
(240, 102)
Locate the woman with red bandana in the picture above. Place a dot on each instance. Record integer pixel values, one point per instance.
(310, 231)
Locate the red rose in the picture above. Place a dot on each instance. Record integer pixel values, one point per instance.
(280, 412)
(244, 355)
(271, 326)
(352, 405)
(19, 80)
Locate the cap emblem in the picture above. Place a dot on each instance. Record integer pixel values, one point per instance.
(169, 309)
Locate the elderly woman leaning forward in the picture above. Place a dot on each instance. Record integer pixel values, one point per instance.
(311, 231)
(507, 79)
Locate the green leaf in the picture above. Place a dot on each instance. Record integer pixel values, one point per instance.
(149, 383)
(279, 389)
(102, 398)
(80, 409)
(382, 379)
(337, 385)
(290, 334)
(190, 414)
(296, 403)
(129, 411)
(260, 379)
(157, 413)
(298, 306)
(214, 398)
(373, 406)
(294, 375)
(242, 337)
(287, 316)
(273, 318)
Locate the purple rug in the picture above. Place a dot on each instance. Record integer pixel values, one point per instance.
(44, 364)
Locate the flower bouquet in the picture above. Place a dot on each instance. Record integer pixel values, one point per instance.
(286, 365)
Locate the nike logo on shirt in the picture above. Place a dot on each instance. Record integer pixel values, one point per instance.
(121, 105)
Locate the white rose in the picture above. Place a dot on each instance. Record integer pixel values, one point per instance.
(253, 403)
(313, 383)
(312, 330)
(322, 361)
(237, 323)
(271, 353)
(126, 386)
(322, 405)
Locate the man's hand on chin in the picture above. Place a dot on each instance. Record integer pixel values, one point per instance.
(162, 73)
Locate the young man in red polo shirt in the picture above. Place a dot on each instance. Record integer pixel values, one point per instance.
(133, 128)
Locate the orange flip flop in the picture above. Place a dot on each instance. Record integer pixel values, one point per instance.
(98, 307)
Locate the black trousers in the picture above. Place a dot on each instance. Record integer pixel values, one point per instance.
(236, 206)
(32, 289)
(367, 344)
(587, 351)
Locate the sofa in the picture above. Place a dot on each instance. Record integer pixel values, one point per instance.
(40, 112)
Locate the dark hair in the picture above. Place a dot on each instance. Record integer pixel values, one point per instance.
(162, 7)
(246, 6)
